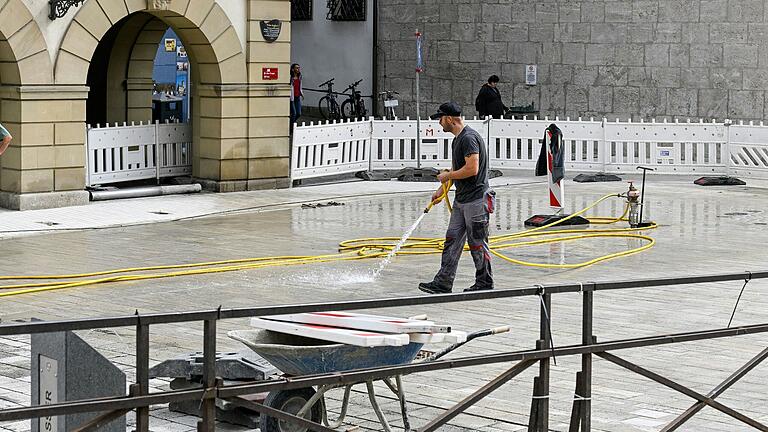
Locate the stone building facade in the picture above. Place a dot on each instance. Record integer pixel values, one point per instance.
(613, 58)
(52, 69)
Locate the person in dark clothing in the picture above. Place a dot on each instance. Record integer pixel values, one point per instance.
(472, 206)
(488, 102)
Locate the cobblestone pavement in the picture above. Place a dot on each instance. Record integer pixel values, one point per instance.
(702, 230)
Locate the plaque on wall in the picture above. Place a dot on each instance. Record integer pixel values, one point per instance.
(270, 30)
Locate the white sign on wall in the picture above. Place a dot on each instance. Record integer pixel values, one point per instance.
(530, 74)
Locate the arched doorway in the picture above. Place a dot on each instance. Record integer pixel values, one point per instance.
(117, 67)
(25, 69)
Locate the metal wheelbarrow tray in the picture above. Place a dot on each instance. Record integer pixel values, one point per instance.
(297, 355)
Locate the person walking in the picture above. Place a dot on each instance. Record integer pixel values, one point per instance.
(488, 101)
(473, 204)
(297, 92)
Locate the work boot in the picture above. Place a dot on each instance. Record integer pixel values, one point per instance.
(433, 288)
(477, 287)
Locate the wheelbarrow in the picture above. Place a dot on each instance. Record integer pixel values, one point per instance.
(297, 356)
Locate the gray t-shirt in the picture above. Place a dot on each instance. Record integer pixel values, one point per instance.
(466, 143)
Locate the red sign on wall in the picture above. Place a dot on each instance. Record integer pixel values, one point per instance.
(269, 73)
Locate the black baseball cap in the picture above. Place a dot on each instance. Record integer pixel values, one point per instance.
(451, 109)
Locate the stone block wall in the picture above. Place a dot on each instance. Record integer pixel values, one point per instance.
(613, 58)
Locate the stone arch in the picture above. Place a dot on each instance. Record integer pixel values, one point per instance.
(217, 61)
(24, 57)
(212, 41)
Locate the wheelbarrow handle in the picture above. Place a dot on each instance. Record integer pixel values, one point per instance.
(473, 335)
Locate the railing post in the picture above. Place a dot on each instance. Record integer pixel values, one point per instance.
(88, 166)
(728, 148)
(542, 398)
(586, 362)
(157, 151)
(142, 373)
(208, 404)
(604, 146)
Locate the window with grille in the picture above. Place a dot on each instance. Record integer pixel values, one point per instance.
(301, 10)
(346, 10)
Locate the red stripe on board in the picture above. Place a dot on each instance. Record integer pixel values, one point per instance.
(553, 202)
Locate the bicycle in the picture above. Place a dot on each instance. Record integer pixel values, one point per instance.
(328, 105)
(390, 102)
(354, 106)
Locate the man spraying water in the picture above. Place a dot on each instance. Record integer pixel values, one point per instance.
(472, 206)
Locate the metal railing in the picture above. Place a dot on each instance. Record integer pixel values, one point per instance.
(140, 399)
(706, 148)
(141, 151)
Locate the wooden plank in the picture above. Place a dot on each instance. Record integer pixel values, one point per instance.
(427, 338)
(333, 334)
(358, 321)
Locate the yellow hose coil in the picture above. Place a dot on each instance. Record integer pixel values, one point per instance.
(349, 250)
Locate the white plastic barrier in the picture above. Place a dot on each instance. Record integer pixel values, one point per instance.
(749, 150)
(394, 143)
(591, 146)
(135, 152)
(330, 148)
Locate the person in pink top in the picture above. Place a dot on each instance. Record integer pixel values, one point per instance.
(297, 92)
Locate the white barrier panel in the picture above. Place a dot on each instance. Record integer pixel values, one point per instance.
(749, 150)
(394, 143)
(672, 148)
(517, 143)
(330, 148)
(131, 152)
(590, 146)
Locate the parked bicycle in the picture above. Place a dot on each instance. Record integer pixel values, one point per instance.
(354, 106)
(390, 102)
(328, 105)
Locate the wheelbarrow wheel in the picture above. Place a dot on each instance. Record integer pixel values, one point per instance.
(290, 401)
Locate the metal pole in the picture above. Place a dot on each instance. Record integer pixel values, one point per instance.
(157, 151)
(208, 404)
(418, 98)
(545, 317)
(142, 374)
(586, 362)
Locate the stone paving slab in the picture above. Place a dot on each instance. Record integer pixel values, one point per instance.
(702, 230)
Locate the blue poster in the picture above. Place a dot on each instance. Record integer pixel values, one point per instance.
(419, 62)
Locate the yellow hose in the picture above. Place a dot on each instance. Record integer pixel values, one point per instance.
(356, 249)
(446, 187)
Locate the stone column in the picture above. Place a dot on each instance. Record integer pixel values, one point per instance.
(268, 100)
(45, 165)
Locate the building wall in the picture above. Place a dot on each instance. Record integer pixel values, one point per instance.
(327, 49)
(240, 140)
(614, 58)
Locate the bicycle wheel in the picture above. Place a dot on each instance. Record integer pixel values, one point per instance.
(326, 108)
(348, 109)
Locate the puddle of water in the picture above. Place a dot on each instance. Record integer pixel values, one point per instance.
(331, 278)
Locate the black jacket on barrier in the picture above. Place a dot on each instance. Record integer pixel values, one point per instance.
(488, 102)
(554, 137)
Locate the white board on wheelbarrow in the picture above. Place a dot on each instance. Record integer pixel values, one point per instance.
(333, 334)
(359, 321)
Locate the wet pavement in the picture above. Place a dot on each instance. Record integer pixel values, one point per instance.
(701, 231)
